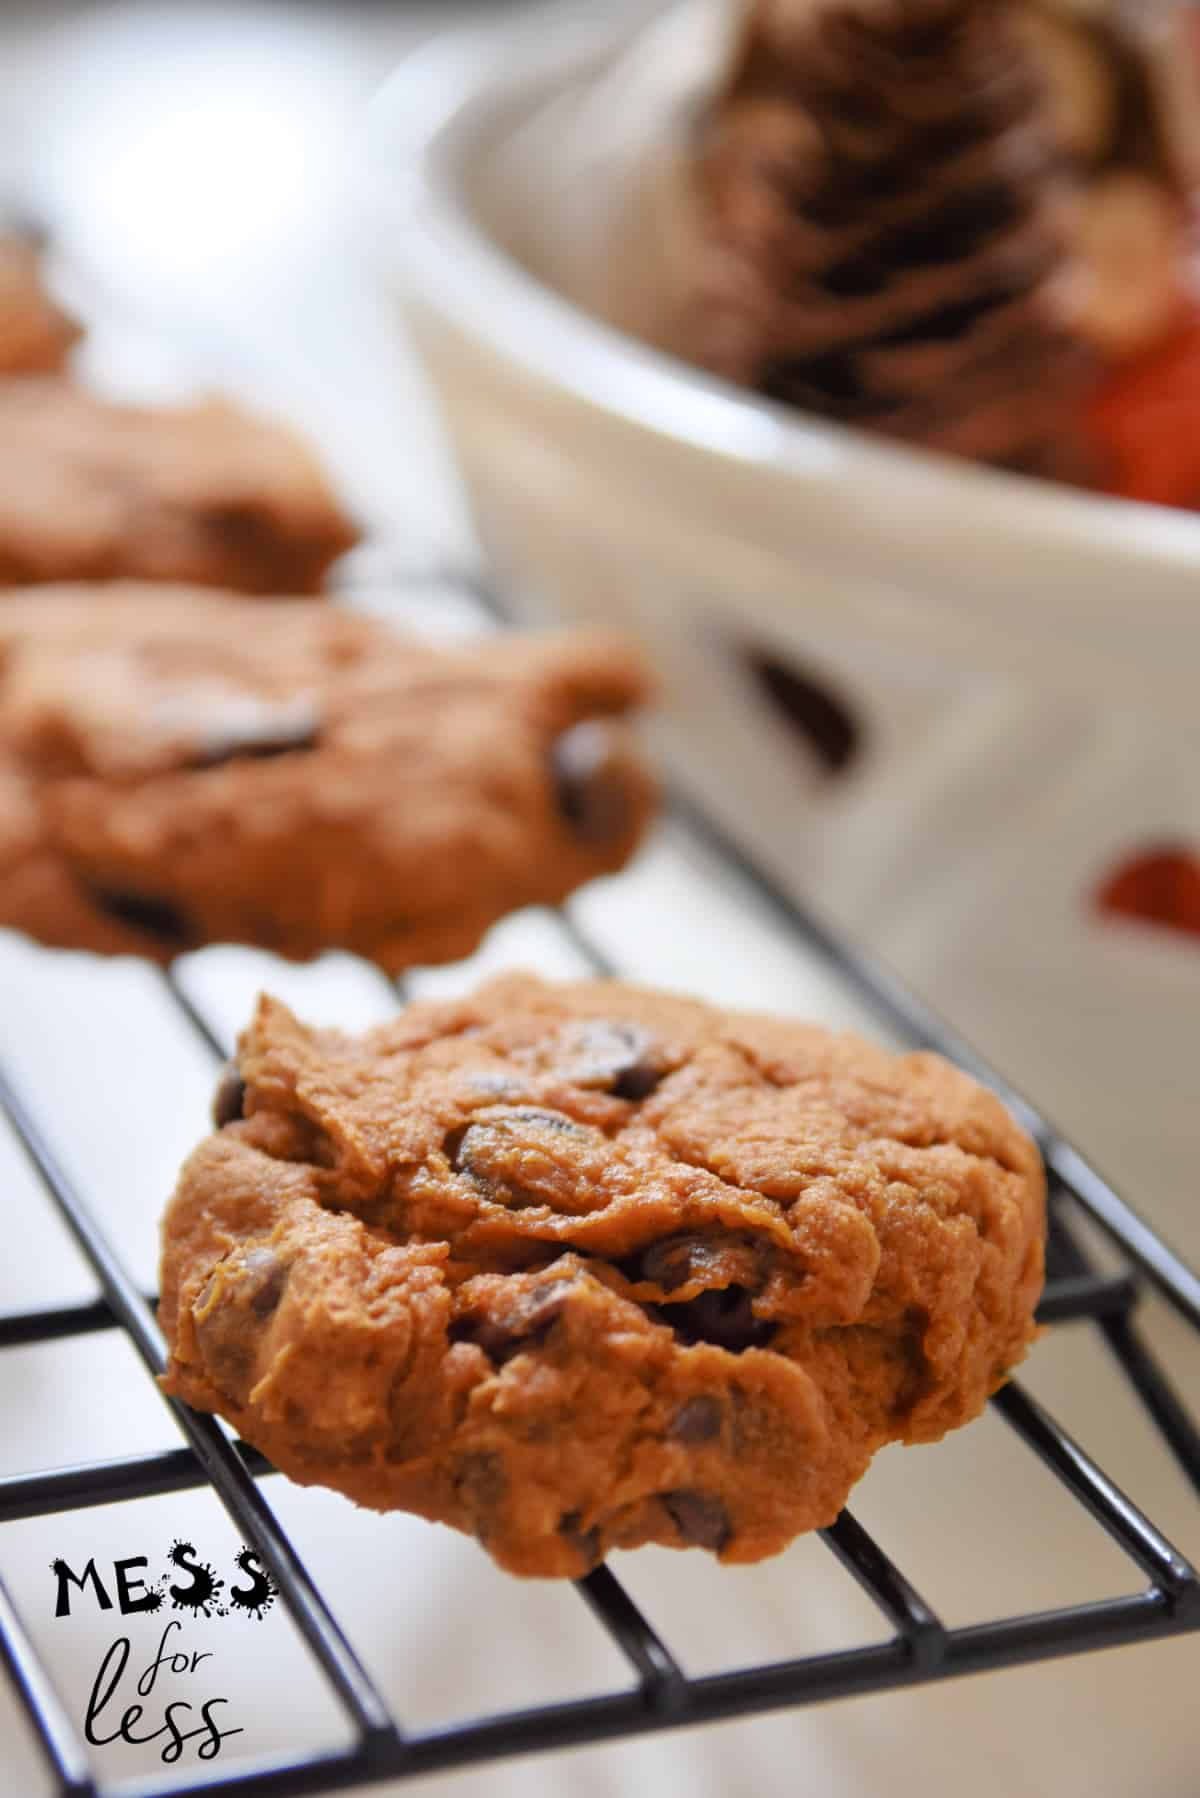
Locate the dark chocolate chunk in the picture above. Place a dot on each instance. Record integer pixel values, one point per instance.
(724, 1314)
(587, 767)
(148, 912)
(226, 1344)
(484, 1150)
(264, 1279)
(698, 1420)
(695, 1255)
(541, 1120)
(230, 1096)
(724, 1317)
(700, 1518)
(636, 1082)
(617, 1056)
(466, 1147)
(521, 1324)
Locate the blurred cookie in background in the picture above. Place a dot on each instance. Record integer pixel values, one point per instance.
(206, 493)
(36, 335)
(181, 767)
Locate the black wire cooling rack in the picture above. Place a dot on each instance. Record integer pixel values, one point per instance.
(922, 1648)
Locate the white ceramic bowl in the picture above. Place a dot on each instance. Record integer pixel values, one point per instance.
(1023, 658)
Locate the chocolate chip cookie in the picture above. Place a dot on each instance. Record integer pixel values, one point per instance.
(575, 1268)
(90, 490)
(179, 767)
(35, 334)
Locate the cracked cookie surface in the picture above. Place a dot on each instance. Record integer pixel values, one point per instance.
(576, 1268)
(179, 767)
(93, 490)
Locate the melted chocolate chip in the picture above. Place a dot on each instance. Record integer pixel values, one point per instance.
(699, 1420)
(636, 1082)
(522, 1324)
(724, 1317)
(724, 1314)
(585, 1542)
(157, 917)
(693, 1255)
(230, 1096)
(619, 1057)
(586, 765)
(699, 1517)
(481, 1150)
(262, 732)
(542, 1120)
(466, 1144)
(263, 1282)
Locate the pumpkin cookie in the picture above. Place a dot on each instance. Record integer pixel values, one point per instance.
(179, 767)
(90, 490)
(575, 1268)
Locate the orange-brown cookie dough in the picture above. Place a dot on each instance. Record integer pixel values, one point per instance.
(90, 490)
(575, 1268)
(179, 767)
(35, 334)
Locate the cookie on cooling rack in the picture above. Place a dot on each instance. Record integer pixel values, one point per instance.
(91, 490)
(35, 333)
(576, 1268)
(179, 767)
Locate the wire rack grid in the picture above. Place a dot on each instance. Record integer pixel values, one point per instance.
(920, 1648)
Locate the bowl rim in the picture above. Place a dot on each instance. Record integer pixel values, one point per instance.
(422, 127)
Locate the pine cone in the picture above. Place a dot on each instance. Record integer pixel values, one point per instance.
(883, 209)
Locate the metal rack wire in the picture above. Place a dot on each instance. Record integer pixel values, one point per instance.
(921, 1648)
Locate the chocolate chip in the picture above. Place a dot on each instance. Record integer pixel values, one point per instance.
(465, 1146)
(544, 1120)
(700, 1518)
(716, 1257)
(636, 1082)
(155, 916)
(258, 731)
(696, 1255)
(724, 1316)
(521, 1323)
(226, 1345)
(585, 1542)
(699, 1420)
(673, 1261)
(587, 767)
(263, 1281)
(230, 1096)
(483, 1150)
(619, 1057)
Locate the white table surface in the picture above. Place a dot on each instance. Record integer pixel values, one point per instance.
(190, 159)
